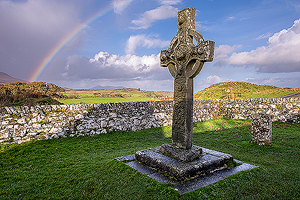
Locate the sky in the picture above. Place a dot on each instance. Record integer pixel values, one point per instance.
(87, 43)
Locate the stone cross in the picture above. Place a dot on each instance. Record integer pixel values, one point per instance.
(184, 60)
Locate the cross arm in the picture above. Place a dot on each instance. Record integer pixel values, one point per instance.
(165, 58)
(206, 51)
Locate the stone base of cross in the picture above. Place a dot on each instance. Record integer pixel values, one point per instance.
(185, 155)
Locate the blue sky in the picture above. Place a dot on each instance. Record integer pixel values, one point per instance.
(255, 41)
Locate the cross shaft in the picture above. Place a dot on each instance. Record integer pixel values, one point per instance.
(185, 60)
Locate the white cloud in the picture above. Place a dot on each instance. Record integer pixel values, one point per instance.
(150, 16)
(204, 83)
(136, 41)
(109, 66)
(232, 18)
(109, 69)
(201, 27)
(222, 52)
(120, 5)
(165, 11)
(169, 2)
(290, 80)
(281, 55)
(214, 79)
(265, 35)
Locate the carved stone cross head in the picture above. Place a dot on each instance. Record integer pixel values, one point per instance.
(183, 57)
(185, 60)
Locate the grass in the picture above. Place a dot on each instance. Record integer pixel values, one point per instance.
(87, 100)
(247, 90)
(84, 167)
(77, 96)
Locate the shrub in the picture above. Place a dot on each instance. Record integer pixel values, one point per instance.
(19, 94)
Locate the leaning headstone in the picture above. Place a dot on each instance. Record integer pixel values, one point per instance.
(184, 59)
(261, 133)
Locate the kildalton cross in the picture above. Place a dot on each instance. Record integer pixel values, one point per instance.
(185, 60)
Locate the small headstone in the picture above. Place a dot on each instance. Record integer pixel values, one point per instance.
(261, 133)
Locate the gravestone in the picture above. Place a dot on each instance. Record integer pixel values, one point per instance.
(261, 133)
(184, 59)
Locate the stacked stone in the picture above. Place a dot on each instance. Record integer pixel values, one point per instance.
(21, 124)
(261, 133)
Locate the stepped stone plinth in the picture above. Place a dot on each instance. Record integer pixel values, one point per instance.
(209, 161)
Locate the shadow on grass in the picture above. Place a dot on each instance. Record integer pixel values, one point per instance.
(84, 167)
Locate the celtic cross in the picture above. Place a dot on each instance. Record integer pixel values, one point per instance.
(185, 60)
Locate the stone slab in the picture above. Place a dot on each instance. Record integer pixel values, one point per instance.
(140, 167)
(190, 185)
(208, 161)
(126, 158)
(203, 181)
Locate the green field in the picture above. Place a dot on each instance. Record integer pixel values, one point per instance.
(104, 100)
(112, 96)
(84, 167)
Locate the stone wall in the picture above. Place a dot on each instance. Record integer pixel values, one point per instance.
(21, 124)
(281, 109)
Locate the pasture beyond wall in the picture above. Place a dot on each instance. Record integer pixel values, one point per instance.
(21, 124)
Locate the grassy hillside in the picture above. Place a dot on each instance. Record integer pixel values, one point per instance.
(76, 96)
(246, 90)
(29, 94)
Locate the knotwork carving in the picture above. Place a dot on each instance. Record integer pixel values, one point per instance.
(182, 52)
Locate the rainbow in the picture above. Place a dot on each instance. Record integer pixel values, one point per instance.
(68, 37)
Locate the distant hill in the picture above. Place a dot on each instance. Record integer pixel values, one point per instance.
(246, 90)
(100, 87)
(5, 78)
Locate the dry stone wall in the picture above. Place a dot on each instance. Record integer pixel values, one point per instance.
(21, 124)
(281, 109)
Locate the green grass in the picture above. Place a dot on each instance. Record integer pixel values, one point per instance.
(104, 100)
(84, 167)
(247, 90)
(129, 95)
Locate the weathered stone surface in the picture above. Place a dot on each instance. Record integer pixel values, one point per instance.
(150, 114)
(189, 185)
(208, 161)
(184, 61)
(185, 155)
(261, 133)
